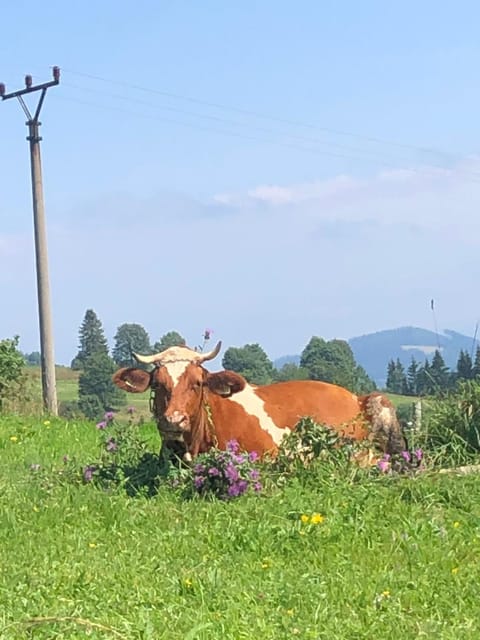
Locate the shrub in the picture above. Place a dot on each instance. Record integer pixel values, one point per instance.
(91, 406)
(224, 474)
(69, 409)
(124, 458)
(311, 441)
(12, 364)
(452, 430)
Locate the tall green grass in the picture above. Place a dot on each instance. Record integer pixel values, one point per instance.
(391, 558)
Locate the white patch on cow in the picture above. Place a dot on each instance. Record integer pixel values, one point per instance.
(176, 369)
(386, 416)
(255, 406)
(176, 360)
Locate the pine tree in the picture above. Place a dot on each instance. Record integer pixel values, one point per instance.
(476, 364)
(412, 378)
(464, 366)
(424, 380)
(96, 391)
(439, 372)
(396, 379)
(92, 339)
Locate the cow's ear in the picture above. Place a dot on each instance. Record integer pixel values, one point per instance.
(132, 380)
(225, 383)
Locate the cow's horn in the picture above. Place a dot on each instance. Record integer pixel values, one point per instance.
(203, 357)
(147, 359)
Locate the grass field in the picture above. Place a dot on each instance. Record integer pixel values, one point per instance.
(391, 559)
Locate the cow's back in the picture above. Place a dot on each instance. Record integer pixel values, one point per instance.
(258, 416)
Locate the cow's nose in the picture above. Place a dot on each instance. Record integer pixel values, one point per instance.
(176, 418)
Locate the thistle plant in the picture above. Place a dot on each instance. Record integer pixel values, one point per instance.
(224, 474)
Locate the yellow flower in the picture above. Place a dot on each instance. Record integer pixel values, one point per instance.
(35, 508)
(47, 423)
(456, 524)
(386, 593)
(304, 518)
(454, 571)
(302, 533)
(13, 438)
(92, 545)
(317, 518)
(188, 583)
(289, 612)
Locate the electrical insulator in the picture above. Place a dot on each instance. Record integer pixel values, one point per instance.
(56, 73)
(28, 81)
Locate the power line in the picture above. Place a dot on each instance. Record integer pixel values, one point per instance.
(377, 160)
(212, 129)
(257, 114)
(228, 121)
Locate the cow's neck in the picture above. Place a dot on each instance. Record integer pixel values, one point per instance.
(202, 435)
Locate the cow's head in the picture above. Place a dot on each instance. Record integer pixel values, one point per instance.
(180, 386)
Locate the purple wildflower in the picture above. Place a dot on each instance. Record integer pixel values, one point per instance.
(231, 472)
(383, 465)
(406, 455)
(131, 410)
(111, 445)
(88, 472)
(242, 486)
(101, 425)
(207, 334)
(34, 467)
(109, 415)
(233, 490)
(233, 446)
(252, 456)
(199, 468)
(198, 481)
(213, 471)
(254, 474)
(239, 458)
(257, 487)
(419, 454)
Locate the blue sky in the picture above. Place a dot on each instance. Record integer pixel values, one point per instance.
(273, 170)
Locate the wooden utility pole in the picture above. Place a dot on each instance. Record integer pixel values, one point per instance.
(49, 388)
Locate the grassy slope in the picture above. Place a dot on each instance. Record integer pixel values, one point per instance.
(392, 558)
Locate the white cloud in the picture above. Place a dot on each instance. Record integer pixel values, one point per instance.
(275, 264)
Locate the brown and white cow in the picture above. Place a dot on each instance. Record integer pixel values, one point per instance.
(196, 410)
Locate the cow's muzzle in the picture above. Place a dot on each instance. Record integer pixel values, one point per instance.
(177, 421)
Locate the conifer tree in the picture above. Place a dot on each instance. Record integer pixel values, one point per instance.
(439, 372)
(476, 364)
(396, 379)
(464, 366)
(92, 339)
(412, 378)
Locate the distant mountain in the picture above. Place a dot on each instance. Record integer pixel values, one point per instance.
(374, 350)
(279, 362)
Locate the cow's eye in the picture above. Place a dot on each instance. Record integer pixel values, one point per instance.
(197, 385)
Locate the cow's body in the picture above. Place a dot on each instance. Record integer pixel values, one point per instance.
(196, 410)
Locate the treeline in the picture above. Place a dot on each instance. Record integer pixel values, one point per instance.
(331, 361)
(431, 377)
